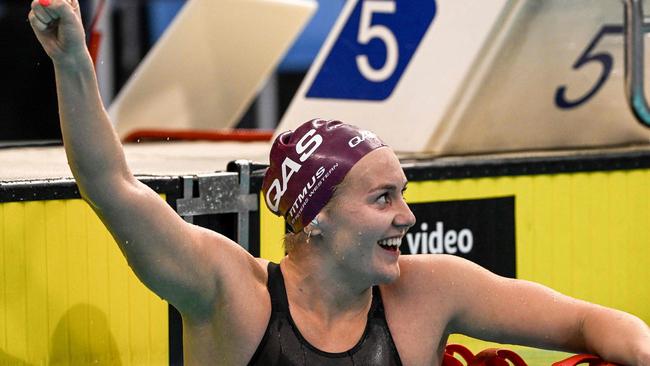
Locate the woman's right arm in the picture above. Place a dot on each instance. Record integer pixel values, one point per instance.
(181, 262)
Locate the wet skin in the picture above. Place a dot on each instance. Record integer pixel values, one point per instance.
(220, 289)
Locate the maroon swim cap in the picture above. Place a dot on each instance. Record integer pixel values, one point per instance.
(308, 163)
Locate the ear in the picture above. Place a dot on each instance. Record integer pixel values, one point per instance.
(315, 230)
(312, 230)
(315, 226)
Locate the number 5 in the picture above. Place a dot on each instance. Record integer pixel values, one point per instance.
(604, 58)
(367, 32)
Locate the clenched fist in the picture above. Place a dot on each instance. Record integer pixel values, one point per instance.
(58, 27)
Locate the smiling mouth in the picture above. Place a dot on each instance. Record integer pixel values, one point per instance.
(391, 244)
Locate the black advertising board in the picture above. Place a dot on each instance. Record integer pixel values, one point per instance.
(480, 230)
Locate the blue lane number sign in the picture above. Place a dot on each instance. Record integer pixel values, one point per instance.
(373, 49)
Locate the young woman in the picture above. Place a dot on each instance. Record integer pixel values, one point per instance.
(342, 295)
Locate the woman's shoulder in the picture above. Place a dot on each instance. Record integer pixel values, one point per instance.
(433, 265)
(429, 287)
(423, 274)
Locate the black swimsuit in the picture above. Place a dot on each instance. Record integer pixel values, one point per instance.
(283, 345)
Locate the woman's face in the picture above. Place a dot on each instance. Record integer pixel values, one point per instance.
(367, 219)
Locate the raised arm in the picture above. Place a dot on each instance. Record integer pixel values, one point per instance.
(180, 262)
(520, 312)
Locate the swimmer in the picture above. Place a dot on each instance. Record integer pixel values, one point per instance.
(343, 295)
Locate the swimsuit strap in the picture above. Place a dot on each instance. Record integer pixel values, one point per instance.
(277, 290)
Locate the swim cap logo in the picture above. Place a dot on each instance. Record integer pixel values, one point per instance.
(289, 167)
(356, 140)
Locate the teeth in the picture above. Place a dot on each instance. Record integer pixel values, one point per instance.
(393, 242)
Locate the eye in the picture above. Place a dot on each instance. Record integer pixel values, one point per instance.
(383, 199)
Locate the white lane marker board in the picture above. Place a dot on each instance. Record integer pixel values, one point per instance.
(209, 64)
(461, 76)
(393, 66)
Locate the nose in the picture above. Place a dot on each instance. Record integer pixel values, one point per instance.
(404, 217)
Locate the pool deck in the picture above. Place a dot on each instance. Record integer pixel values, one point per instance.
(178, 158)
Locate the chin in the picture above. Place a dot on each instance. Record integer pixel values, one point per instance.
(388, 275)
